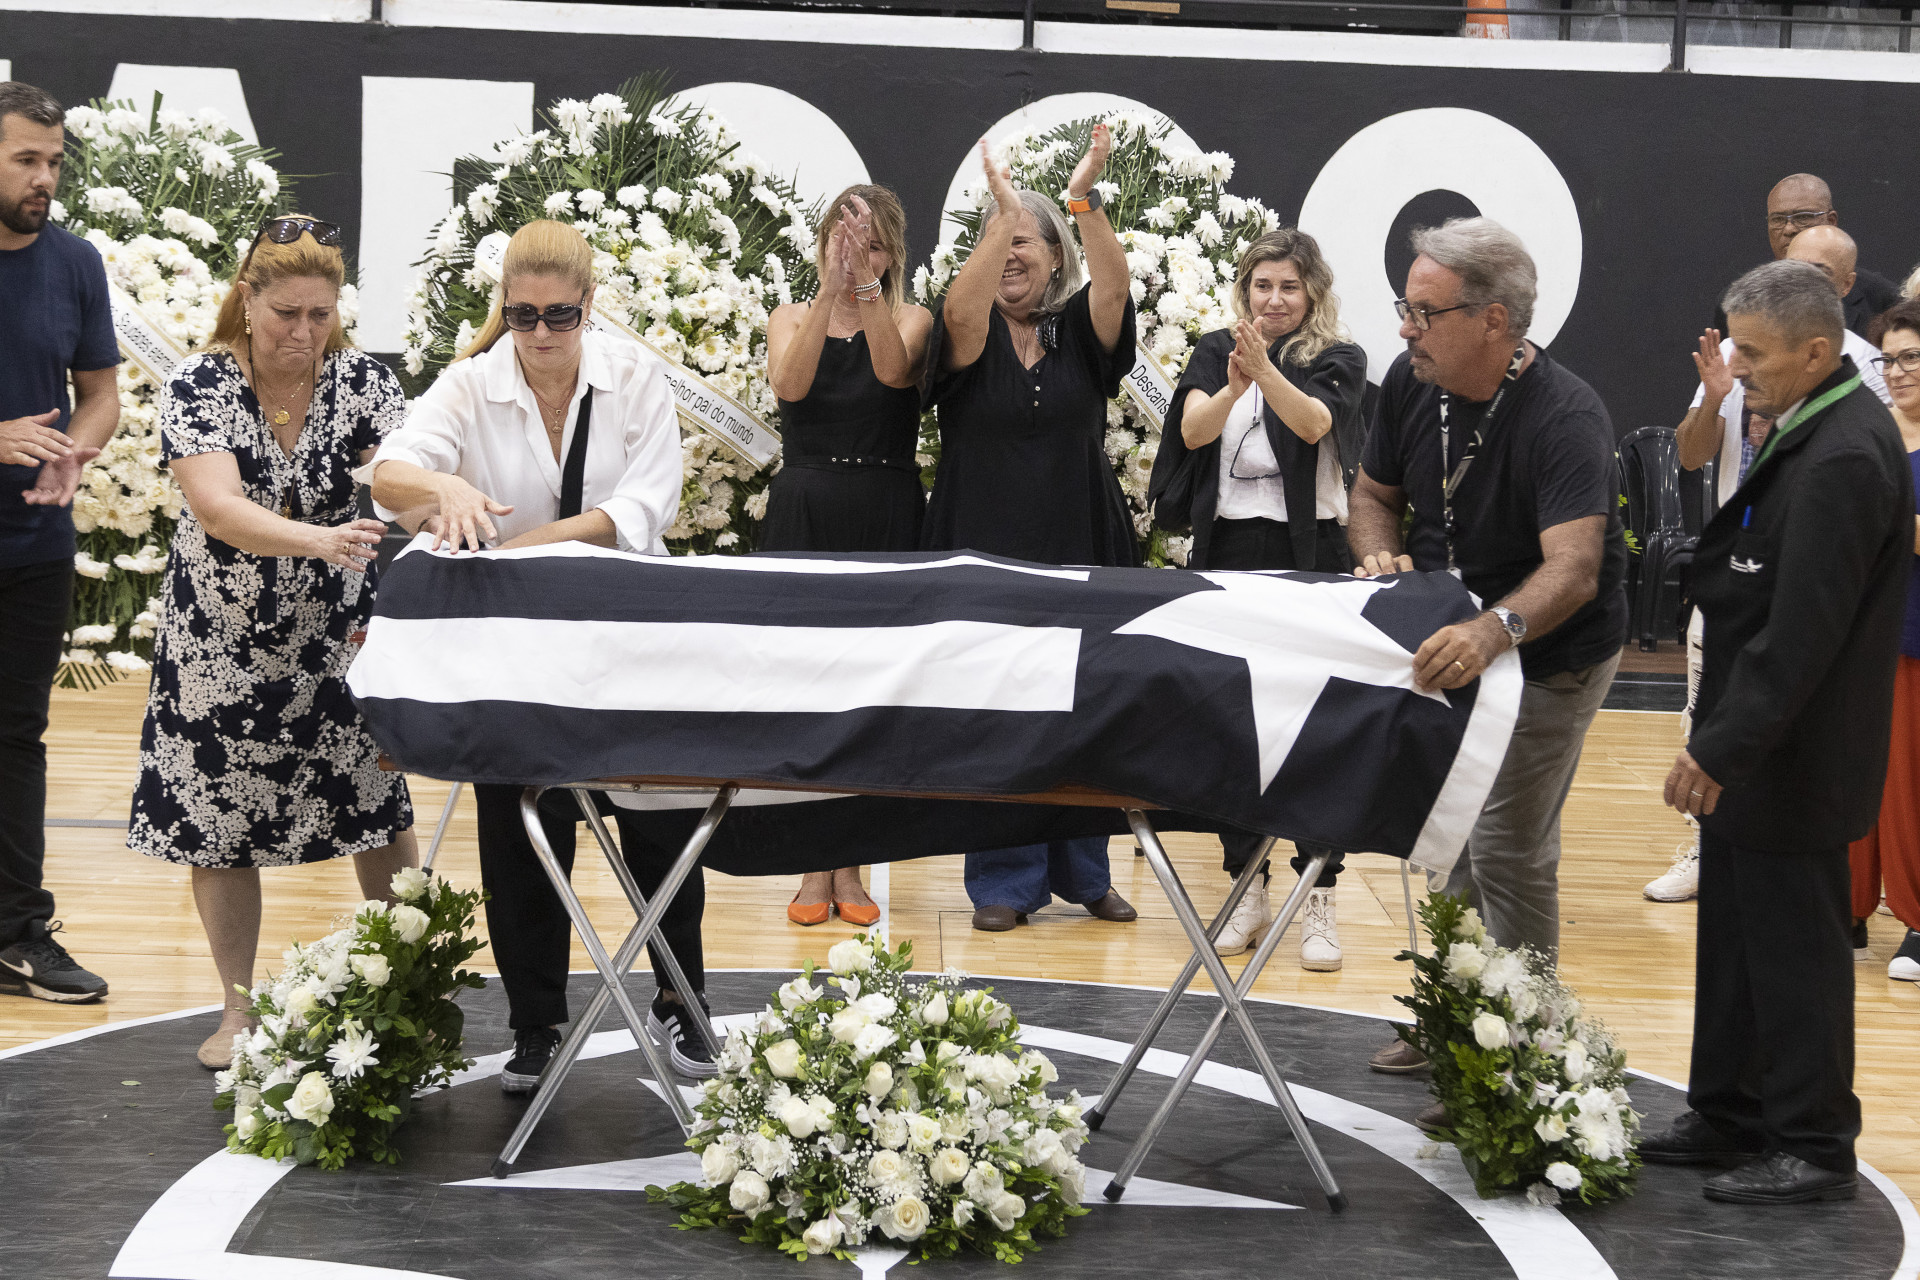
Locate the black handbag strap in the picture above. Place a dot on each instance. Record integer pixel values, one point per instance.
(573, 475)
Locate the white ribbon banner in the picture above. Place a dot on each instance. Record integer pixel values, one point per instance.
(153, 353)
(1146, 384)
(700, 404)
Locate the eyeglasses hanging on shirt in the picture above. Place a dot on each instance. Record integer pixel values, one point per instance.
(1449, 484)
(1259, 430)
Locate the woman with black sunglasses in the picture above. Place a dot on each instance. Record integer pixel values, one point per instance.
(253, 753)
(1258, 451)
(563, 434)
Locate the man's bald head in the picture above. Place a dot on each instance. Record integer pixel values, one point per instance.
(1830, 249)
(1797, 201)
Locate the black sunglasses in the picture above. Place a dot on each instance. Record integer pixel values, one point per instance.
(561, 317)
(287, 230)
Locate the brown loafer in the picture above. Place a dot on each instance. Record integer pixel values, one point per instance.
(1113, 907)
(1433, 1119)
(996, 919)
(1398, 1058)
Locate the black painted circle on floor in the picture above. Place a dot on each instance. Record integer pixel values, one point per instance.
(86, 1156)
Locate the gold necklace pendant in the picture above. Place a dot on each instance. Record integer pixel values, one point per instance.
(281, 418)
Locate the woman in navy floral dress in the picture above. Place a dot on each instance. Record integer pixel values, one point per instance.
(253, 753)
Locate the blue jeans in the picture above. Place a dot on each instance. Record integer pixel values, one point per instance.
(1028, 877)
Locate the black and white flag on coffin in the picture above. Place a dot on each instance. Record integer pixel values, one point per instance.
(1282, 703)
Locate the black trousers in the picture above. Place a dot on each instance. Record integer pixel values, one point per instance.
(1773, 1001)
(529, 927)
(34, 601)
(1268, 544)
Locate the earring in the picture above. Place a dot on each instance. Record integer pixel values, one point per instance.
(246, 318)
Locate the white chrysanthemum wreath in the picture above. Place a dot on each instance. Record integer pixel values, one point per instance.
(695, 242)
(170, 200)
(869, 1109)
(1183, 233)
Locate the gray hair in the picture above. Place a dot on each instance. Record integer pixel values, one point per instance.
(17, 98)
(1492, 264)
(1058, 235)
(1795, 297)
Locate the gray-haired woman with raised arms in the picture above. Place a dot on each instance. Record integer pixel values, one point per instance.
(1022, 360)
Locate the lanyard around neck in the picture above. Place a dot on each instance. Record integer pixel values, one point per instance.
(1806, 411)
(1450, 483)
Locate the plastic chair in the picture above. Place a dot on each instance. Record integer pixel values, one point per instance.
(1650, 479)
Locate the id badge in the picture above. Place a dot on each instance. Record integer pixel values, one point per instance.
(1453, 571)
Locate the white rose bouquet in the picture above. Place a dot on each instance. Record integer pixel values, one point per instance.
(1183, 234)
(352, 1027)
(1535, 1090)
(867, 1108)
(695, 242)
(170, 201)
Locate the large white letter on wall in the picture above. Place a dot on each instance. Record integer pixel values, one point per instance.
(797, 140)
(1359, 194)
(412, 129)
(188, 89)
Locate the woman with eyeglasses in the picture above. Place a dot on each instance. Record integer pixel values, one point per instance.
(1257, 454)
(1889, 856)
(253, 753)
(1024, 358)
(561, 434)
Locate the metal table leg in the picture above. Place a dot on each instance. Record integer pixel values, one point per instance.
(696, 1014)
(612, 970)
(440, 827)
(1097, 1116)
(1232, 1001)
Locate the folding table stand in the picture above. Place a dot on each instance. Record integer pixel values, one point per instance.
(613, 968)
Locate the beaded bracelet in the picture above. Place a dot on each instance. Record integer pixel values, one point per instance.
(868, 292)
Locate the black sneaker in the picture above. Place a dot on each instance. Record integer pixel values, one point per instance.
(532, 1050)
(40, 967)
(1862, 949)
(667, 1023)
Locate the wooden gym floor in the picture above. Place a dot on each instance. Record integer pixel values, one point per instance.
(132, 920)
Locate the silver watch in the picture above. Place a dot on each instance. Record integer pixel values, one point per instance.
(1515, 624)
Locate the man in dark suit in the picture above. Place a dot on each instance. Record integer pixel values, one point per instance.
(1801, 578)
(1799, 202)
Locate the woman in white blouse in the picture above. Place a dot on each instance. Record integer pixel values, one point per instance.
(561, 434)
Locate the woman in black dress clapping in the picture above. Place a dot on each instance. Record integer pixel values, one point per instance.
(1025, 359)
(846, 368)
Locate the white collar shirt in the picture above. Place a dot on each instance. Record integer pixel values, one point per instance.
(480, 421)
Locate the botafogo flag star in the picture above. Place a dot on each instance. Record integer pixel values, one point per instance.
(870, 698)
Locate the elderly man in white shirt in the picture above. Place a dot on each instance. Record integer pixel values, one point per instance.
(559, 435)
(1718, 427)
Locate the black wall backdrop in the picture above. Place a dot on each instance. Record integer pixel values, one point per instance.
(1669, 172)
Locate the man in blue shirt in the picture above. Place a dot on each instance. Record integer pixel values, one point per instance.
(55, 324)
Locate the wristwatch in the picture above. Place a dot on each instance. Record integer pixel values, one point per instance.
(1085, 204)
(1515, 624)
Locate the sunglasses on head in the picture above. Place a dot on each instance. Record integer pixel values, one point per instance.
(287, 230)
(521, 317)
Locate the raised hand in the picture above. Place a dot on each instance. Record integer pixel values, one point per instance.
(1092, 164)
(1715, 377)
(1238, 379)
(836, 279)
(1251, 349)
(857, 220)
(25, 441)
(353, 545)
(999, 181)
(60, 479)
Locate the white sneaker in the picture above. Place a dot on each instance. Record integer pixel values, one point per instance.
(1248, 923)
(1682, 880)
(1905, 965)
(1319, 934)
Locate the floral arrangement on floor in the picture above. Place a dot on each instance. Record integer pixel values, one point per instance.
(1183, 234)
(695, 241)
(352, 1028)
(170, 201)
(1535, 1090)
(872, 1107)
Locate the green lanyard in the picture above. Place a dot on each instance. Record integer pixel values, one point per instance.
(1806, 411)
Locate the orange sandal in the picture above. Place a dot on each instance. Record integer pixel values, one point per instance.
(855, 914)
(808, 913)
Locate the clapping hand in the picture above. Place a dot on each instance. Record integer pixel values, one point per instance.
(25, 441)
(1088, 171)
(999, 181)
(1250, 351)
(59, 479)
(853, 235)
(1715, 377)
(353, 545)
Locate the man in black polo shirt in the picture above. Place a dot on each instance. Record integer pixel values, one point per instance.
(55, 323)
(1528, 517)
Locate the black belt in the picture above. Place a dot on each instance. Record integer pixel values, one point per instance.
(824, 460)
